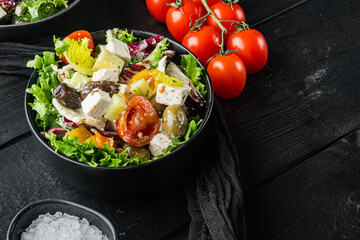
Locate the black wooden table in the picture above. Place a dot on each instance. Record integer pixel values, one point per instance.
(296, 126)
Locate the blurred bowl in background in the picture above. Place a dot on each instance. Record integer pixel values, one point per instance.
(40, 28)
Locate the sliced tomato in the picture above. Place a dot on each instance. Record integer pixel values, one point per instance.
(78, 35)
(139, 123)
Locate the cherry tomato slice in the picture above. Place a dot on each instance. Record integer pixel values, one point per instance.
(139, 123)
(76, 36)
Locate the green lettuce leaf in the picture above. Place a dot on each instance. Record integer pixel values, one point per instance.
(192, 71)
(156, 55)
(122, 35)
(41, 90)
(192, 128)
(39, 9)
(89, 153)
(60, 46)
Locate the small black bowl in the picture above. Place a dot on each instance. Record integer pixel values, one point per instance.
(25, 216)
(40, 28)
(158, 176)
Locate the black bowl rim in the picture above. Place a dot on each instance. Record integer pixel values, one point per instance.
(206, 119)
(15, 26)
(77, 205)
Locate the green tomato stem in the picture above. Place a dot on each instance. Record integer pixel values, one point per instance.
(223, 29)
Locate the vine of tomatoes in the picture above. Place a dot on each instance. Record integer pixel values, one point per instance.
(217, 33)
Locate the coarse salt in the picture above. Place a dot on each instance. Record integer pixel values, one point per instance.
(61, 226)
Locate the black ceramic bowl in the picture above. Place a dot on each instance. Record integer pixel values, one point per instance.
(40, 28)
(157, 176)
(25, 216)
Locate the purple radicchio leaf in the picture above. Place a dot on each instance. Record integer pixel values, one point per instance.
(130, 71)
(67, 122)
(143, 49)
(59, 132)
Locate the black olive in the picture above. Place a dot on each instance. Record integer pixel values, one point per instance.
(106, 86)
(67, 96)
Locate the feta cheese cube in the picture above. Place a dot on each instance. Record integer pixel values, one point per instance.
(96, 103)
(162, 64)
(119, 48)
(125, 89)
(19, 10)
(106, 74)
(159, 144)
(78, 116)
(172, 95)
(77, 81)
(3, 13)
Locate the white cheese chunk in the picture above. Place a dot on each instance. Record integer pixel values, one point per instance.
(106, 74)
(78, 116)
(162, 64)
(125, 89)
(159, 144)
(172, 95)
(3, 13)
(119, 48)
(96, 103)
(19, 10)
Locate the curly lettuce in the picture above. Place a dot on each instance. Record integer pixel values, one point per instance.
(41, 90)
(38, 9)
(122, 35)
(89, 153)
(192, 71)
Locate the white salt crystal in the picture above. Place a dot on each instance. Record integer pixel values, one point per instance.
(61, 227)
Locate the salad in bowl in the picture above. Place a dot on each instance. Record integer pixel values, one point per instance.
(24, 11)
(122, 102)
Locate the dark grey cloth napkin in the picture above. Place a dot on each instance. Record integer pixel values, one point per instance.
(14, 56)
(215, 199)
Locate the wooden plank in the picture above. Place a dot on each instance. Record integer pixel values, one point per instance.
(25, 177)
(306, 97)
(318, 199)
(258, 11)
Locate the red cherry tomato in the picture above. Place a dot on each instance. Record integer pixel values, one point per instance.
(204, 43)
(225, 12)
(228, 75)
(158, 9)
(178, 23)
(76, 36)
(251, 48)
(139, 123)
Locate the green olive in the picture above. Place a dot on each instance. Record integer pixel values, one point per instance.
(140, 152)
(175, 121)
(159, 108)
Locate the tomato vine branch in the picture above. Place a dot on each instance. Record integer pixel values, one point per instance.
(223, 29)
(176, 5)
